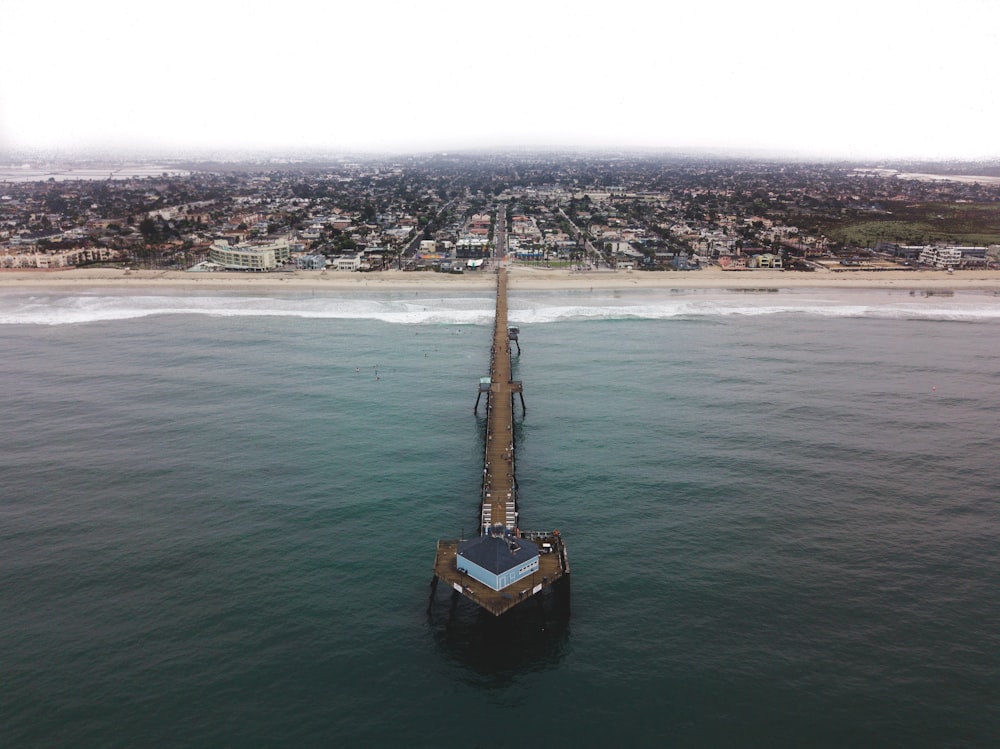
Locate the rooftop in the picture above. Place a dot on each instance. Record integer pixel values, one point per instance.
(497, 552)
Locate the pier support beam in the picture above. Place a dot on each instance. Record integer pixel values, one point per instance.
(562, 594)
(434, 587)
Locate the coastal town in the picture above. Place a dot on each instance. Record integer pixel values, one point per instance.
(583, 212)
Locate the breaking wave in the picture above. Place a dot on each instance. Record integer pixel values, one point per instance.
(525, 308)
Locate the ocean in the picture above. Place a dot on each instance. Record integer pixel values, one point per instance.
(218, 516)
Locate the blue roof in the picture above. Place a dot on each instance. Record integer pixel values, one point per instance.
(497, 554)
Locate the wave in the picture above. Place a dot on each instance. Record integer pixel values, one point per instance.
(526, 309)
(696, 310)
(67, 309)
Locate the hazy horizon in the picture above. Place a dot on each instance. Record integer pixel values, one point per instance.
(855, 81)
(13, 160)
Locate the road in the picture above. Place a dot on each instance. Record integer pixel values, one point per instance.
(591, 253)
(409, 253)
(500, 235)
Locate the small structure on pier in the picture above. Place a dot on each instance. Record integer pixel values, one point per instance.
(497, 559)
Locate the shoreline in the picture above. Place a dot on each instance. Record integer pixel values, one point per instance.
(521, 279)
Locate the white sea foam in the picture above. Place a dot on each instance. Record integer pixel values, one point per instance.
(525, 308)
(728, 304)
(57, 309)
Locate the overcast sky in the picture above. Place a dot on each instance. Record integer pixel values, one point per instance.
(878, 78)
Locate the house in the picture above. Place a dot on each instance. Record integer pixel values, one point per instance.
(472, 247)
(479, 223)
(681, 261)
(310, 262)
(731, 262)
(347, 262)
(765, 260)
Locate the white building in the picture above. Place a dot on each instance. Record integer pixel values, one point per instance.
(347, 262)
(67, 259)
(473, 247)
(246, 256)
(941, 257)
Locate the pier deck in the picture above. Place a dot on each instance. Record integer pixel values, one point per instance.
(499, 501)
(499, 497)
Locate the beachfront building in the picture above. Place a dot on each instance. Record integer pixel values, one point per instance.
(681, 261)
(527, 253)
(310, 262)
(347, 262)
(66, 259)
(472, 247)
(901, 251)
(732, 262)
(765, 260)
(941, 257)
(252, 257)
(973, 254)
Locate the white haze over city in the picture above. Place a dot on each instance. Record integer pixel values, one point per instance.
(840, 80)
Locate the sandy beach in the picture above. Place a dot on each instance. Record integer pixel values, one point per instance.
(523, 278)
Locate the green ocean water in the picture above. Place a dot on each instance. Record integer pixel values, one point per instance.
(218, 517)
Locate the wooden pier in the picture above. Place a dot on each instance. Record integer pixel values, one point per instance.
(499, 503)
